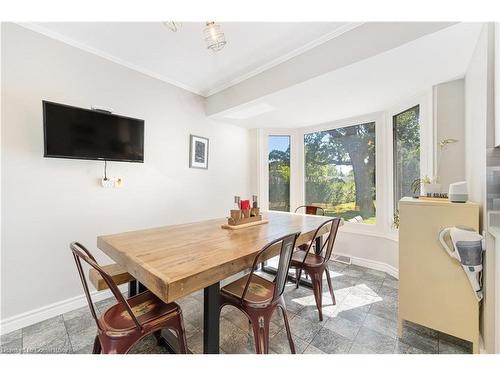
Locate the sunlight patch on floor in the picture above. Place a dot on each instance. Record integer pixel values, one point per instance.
(356, 296)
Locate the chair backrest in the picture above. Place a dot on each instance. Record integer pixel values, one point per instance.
(81, 253)
(327, 247)
(287, 244)
(312, 210)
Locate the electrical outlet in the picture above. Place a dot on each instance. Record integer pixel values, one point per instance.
(113, 182)
(107, 183)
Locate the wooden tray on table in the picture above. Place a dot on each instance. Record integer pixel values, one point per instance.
(237, 221)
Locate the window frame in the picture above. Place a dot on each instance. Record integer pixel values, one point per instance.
(393, 134)
(267, 163)
(378, 119)
(427, 144)
(263, 165)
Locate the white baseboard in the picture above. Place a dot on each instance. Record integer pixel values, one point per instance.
(49, 311)
(373, 264)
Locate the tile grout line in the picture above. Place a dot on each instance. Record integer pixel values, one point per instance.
(22, 340)
(362, 324)
(323, 326)
(67, 334)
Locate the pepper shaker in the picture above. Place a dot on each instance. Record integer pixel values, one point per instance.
(254, 202)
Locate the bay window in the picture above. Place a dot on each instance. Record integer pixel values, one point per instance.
(356, 168)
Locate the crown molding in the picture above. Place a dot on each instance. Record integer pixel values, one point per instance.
(64, 39)
(290, 55)
(204, 93)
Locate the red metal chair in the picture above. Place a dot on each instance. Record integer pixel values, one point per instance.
(258, 298)
(316, 263)
(122, 325)
(312, 210)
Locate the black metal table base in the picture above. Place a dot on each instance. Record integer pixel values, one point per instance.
(272, 271)
(211, 310)
(210, 319)
(303, 281)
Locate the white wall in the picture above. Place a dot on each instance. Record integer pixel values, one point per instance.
(475, 121)
(449, 108)
(478, 121)
(46, 203)
(369, 250)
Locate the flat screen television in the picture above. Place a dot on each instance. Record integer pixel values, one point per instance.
(78, 133)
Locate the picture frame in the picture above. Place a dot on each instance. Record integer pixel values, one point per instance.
(198, 152)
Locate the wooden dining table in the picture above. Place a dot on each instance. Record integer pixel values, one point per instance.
(177, 260)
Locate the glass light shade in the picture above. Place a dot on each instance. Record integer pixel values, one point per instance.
(214, 37)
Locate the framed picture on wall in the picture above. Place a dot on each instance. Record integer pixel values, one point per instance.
(198, 152)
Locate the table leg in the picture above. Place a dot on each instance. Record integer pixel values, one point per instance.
(303, 281)
(291, 277)
(132, 288)
(211, 318)
(319, 243)
(141, 287)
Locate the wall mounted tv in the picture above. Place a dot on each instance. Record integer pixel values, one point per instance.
(78, 133)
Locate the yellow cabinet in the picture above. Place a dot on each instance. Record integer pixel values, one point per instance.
(433, 288)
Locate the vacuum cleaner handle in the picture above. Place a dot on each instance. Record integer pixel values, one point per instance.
(442, 233)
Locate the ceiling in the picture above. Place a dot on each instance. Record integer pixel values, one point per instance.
(370, 85)
(182, 58)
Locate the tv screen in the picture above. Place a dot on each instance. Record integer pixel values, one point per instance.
(78, 133)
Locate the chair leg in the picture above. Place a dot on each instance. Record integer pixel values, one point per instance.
(288, 331)
(158, 337)
(329, 280)
(260, 325)
(317, 283)
(121, 346)
(181, 334)
(97, 346)
(298, 274)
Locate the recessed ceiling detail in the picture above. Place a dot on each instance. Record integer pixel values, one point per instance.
(370, 85)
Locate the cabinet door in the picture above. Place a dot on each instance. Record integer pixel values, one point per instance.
(434, 289)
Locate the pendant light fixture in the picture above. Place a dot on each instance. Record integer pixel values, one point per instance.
(214, 37)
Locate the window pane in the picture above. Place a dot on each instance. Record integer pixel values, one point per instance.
(279, 172)
(340, 171)
(406, 140)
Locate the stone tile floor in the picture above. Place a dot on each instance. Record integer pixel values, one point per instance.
(364, 321)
